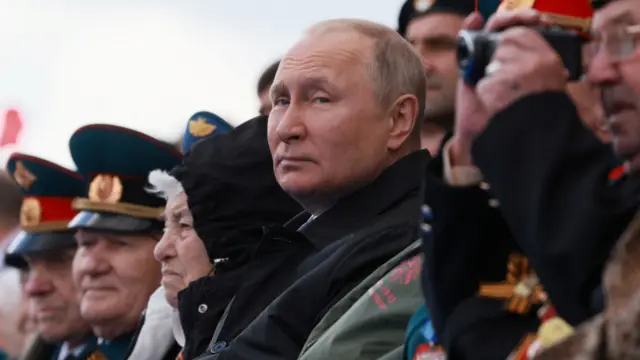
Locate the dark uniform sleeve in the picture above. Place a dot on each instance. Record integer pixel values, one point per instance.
(470, 245)
(550, 174)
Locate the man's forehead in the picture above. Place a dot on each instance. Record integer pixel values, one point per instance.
(50, 255)
(618, 12)
(435, 25)
(323, 47)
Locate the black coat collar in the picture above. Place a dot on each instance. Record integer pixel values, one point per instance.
(354, 211)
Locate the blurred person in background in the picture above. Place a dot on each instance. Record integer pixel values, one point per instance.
(27, 325)
(116, 230)
(11, 342)
(44, 251)
(227, 257)
(201, 125)
(432, 28)
(264, 84)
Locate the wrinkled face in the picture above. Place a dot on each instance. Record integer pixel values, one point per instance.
(327, 131)
(614, 67)
(115, 275)
(265, 102)
(434, 36)
(180, 251)
(51, 296)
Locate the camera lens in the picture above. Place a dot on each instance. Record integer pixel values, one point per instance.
(465, 49)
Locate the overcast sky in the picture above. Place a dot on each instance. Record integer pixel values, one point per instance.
(146, 64)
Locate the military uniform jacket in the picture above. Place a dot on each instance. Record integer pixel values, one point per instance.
(357, 235)
(549, 174)
(370, 322)
(39, 349)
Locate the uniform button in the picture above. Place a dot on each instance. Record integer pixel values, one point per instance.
(217, 347)
(494, 203)
(485, 186)
(202, 308)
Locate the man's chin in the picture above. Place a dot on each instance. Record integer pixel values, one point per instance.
(52, 333)
(441, 118)
(98, 311)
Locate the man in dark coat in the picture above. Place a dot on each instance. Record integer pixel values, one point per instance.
(345, 141)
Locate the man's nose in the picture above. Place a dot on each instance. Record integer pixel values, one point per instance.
(602, 70)
(91, 262)
(427, 64)
(290, 127)
(165, 248)
(37, 282)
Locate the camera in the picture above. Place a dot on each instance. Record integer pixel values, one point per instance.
(475, 50)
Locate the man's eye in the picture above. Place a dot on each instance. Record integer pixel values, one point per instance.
(281, 102)
(321, 100)
(86, 243)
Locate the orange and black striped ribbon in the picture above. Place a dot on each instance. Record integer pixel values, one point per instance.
(519, 277)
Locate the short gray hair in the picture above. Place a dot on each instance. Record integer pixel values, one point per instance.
(164, 185)
(396, 68)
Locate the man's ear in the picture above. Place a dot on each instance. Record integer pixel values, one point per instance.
(403, 115)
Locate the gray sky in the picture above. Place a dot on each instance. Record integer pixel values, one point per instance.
(146, 64)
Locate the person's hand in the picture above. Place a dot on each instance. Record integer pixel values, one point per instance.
(522, 63)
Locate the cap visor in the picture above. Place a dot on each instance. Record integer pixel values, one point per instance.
(102, 221)
(33, 243)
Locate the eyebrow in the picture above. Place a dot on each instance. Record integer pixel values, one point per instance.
(625, 18)
(307, 84)
(435, 38)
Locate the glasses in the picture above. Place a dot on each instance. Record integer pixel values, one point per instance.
(619, 44)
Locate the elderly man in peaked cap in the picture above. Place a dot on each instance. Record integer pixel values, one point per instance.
(44, 250)
(116, 230)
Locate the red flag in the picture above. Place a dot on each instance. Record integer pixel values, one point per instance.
(11, 129)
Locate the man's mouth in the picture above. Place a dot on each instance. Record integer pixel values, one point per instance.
(618, 107)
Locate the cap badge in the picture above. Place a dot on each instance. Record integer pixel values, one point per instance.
(23, 176)
(105, 188)
(508, 5)
(30, 212)
(422, 5)
(200, 127)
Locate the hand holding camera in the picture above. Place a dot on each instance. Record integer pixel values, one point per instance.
(518, 61)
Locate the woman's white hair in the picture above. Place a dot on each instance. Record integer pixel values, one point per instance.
(164, 185)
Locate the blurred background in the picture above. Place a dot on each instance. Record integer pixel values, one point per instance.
(144, 64)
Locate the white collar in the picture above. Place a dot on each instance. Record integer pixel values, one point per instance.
(65, 350)
(176, 326)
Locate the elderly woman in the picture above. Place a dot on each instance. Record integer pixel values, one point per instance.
(228, 180)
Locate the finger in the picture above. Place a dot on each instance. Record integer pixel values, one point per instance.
(524, 38)
(473, 22)
(505, 19)
(507, 53)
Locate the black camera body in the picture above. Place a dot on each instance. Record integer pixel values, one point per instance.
(476, 48)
